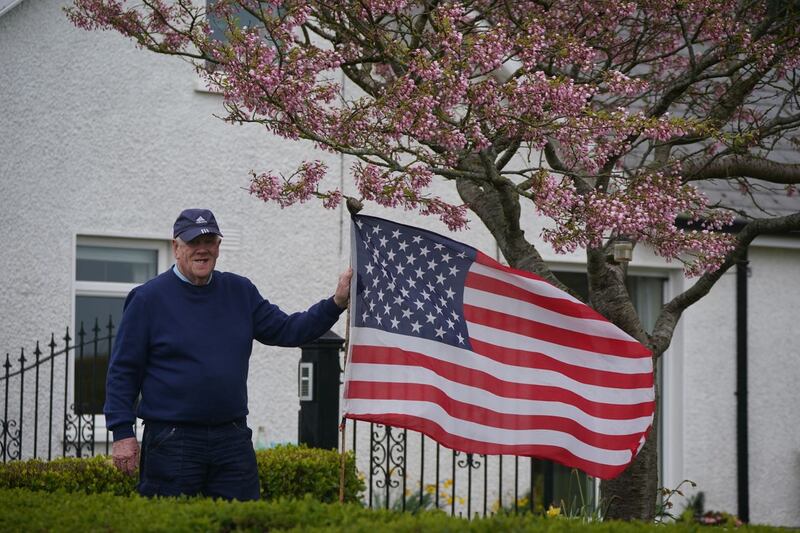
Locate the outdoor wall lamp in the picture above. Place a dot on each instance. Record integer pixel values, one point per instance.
(623, 250)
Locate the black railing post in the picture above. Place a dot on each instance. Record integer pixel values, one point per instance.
(52, 372)
(422, 468)
(453, 494)
(77, 405)
(485, 483)
(371, 450)
(405, 458)
(469, 485)
(437, 473)
(38, 353)
(355, 424)
(93, 392)
(6, 425)
(500, 484)
(516, 483)
(110, 328)
(66, 390)
(388, 470)
(21, 396)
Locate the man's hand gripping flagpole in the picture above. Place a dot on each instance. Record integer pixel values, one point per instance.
(353, 206)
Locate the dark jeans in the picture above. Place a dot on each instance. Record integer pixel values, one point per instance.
(216, 461)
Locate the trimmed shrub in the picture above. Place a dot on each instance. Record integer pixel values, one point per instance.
(25, 510)
(285, 472)
(90, 475)
(290, 471)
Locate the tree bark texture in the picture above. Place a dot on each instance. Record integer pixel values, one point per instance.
(632, 495)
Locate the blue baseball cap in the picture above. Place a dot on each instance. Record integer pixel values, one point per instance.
(192, 223)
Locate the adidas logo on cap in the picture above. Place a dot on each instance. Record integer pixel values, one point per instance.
(201, 220)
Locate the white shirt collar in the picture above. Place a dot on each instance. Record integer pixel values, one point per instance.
(184, 278)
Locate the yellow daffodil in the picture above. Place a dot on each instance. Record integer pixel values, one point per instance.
(553, 511)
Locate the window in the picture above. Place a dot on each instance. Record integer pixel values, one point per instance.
(647, 294)
(105, 272)
(241, 17)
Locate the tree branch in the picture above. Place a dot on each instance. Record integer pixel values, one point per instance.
(741, 166)
(500, 213)
(672, 310)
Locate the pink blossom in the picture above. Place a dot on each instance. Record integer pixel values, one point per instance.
(427, 100)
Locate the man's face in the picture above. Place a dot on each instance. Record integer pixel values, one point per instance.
(196, 259)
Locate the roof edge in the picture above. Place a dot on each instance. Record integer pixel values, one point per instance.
(9, 5)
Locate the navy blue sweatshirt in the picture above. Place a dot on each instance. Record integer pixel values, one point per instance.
(186, 348)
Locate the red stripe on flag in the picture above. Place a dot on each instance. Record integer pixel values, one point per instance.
(371, 390)
(505, 389)
(436, 432)
(554, 334)
(483, 259)
(589, 376)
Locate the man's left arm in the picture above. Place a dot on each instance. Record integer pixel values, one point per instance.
(273, 326)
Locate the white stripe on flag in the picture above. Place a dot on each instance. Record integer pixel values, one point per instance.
(378, 373)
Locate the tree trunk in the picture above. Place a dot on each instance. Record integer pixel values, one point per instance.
(632, 495)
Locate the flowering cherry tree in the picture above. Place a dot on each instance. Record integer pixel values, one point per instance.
(605, 115)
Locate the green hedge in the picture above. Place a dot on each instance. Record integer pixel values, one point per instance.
(25, 510)
(285, 472)
(293, 471)
(90, 475)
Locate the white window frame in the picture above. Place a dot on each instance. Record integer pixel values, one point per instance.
(305, 385)
(164, 260)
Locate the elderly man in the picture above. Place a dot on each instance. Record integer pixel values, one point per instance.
(183, 348)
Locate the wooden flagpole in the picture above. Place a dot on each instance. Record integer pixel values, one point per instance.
(343, 423)
(343, 461)
(353, 206)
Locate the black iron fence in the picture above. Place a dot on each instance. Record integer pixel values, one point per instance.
(52, 395)
(407, 471)
(52, 407)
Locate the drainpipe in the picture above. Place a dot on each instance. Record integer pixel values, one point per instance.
(742, 453)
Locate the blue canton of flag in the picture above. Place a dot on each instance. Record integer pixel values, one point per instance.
(410, 281)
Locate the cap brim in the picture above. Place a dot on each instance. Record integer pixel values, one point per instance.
(192, 233)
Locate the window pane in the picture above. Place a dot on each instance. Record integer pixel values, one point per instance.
(576, 281)
(647, 295)
(92, 349)
(240, 17)
(121, 265)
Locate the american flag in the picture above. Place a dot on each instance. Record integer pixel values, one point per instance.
(487, 359)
